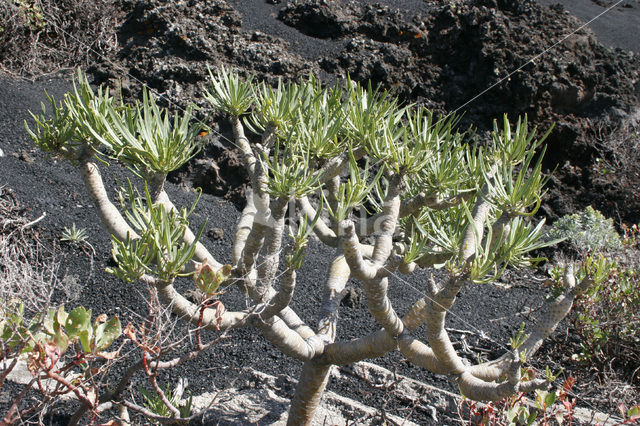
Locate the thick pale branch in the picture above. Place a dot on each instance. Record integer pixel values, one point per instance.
(435, 313)
(380, 306)
(321, 229)
(360, 268)
(491, 370)
(252, 246)
(412, 205)
(242, 143)
(429, 260)
(371, 346)
(259, 182)
(499, 230)
(270, 253)
(339, 274)
(474, 232)
(294, 322)
(313, 381)
(479, 390)
(244, 227)
(407, 268)
(282, 298)
(533, 385)
(253, 167)
(552, 314)
(440, 343)
(416, 351)
(109, 213)
(372, 274)
(421, 355)
(191, 312)
(416, 315)
(387, 223)
(261, 221)
(287, 340)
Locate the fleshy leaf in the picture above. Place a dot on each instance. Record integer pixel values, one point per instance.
(78, 320)
(106, 333)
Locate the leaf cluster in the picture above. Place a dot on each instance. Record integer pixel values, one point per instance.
(156, 405)
(314, 125)
(143, 136)
(295, 257)
(74, 235)
(587, 232)
(354, 191)
(54, 331)
(208, 280)
(73, 122)
(160, 249)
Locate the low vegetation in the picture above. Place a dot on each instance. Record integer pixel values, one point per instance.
(393, 188)
(607, 315)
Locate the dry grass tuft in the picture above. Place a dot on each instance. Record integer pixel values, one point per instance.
(27, 270)
(40, 37)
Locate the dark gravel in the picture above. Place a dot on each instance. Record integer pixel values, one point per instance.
(54, 187)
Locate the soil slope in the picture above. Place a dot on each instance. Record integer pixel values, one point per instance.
(480, 58)
(439, 54)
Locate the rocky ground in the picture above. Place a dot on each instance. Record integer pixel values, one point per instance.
(453, 55)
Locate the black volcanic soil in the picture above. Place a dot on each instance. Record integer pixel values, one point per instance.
(480, 58)
(442, 54)
(452, 56)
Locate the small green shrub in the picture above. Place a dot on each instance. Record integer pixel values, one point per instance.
(554, 406)
(67, 349)
(31, 12)
(74, 235)
(608, 318)
(154, 403)
(587, 232)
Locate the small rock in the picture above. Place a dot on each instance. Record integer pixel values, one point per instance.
(258, 36)
(26, 157)
(351, 298)
(215, 234)
(194, 296)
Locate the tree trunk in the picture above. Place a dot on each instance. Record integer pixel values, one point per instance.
(313, 380)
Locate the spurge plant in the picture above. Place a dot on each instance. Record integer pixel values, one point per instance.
(429, 197)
